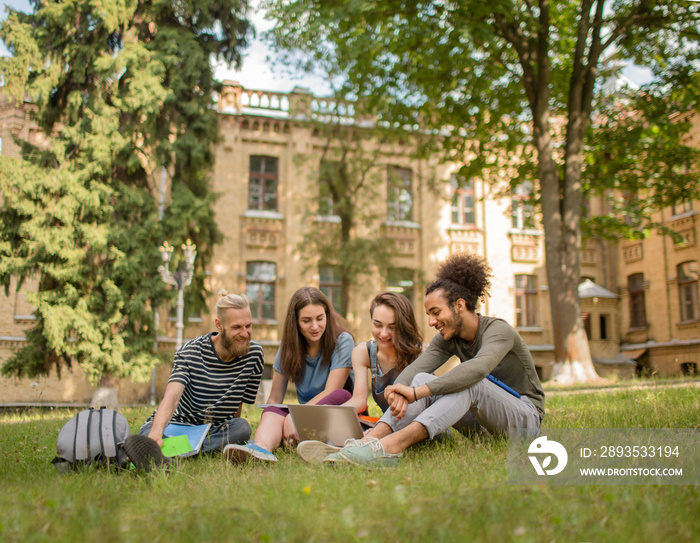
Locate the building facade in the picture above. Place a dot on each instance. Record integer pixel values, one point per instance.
(658, 281)
(640, 310)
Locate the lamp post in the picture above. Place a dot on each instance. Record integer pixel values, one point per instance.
(181, 278)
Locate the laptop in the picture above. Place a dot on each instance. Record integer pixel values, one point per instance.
(331, 424)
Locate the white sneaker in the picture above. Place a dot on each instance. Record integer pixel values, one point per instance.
(314, 452)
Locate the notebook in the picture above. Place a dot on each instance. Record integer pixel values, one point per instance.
(195, 436)
(332, 424)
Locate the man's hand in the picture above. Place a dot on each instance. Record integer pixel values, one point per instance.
(157, 437)
(398, 396)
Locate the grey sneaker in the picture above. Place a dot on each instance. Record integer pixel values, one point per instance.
(370, 455)
(314, 452)
(238, 454)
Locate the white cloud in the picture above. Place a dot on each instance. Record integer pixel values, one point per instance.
(257, 72)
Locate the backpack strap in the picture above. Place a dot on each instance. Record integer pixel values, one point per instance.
(110, 437)
(99, 428)
(87, 437)
(114, 434)
(75, 437)
(373, 362)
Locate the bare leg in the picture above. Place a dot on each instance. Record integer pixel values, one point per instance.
(378, 432)
(401, 440)
(270, 431)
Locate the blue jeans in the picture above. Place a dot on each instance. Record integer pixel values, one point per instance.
(236, 430)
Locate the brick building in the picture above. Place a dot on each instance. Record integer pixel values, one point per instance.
(640, 299)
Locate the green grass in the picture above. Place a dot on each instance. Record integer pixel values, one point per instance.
(452, 491)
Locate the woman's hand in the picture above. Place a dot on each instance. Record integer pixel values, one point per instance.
(289, 432)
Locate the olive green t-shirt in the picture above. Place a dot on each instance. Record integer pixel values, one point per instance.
(497, 349)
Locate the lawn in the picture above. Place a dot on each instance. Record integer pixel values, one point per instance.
(451, 491)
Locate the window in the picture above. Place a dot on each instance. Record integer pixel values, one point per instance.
(24, 310)
(188, 314)
(401, 280)
(523, 210)
(631, 209)
(330, 285)
(635, 286)
(260, 289)
(525, 300)
(328, 173)
(603, 321)
(689, 368)
(688, 290)
(682, 207)
(462, 202)
(262, 188)
(399, 205)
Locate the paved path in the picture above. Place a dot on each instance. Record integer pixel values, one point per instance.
(622, 388)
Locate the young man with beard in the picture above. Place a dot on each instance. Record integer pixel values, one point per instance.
(423, 406)
(212, 376)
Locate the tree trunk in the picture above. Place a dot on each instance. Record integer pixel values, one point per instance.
(105, 394)
(572, 357)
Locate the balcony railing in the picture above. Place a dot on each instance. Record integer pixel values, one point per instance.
(299, 104)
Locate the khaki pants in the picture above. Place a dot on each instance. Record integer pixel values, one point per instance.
(484, 405)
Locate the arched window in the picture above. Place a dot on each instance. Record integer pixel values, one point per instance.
(689, 368)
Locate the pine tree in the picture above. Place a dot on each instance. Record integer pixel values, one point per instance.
(122, 89)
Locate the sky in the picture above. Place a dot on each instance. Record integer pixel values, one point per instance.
(257, 71)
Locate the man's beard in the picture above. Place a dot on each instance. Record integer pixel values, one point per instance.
(233, 347)
(455, 323)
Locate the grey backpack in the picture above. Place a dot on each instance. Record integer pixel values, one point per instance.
(92, 437)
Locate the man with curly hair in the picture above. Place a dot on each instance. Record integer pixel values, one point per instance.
(494, 389)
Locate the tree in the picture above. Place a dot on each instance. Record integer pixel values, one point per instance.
(508, 81)
(353, 169)
(350, 175)
(122, 90)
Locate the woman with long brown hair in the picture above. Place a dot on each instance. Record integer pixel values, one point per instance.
(315, 354)
(396, 343)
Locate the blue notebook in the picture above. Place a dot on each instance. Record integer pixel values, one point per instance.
(195, 434)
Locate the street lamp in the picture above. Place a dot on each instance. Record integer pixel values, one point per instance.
(181, 278)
